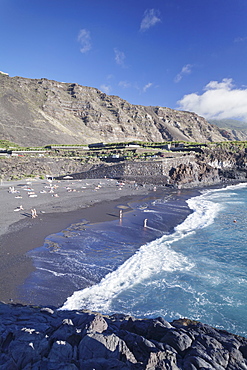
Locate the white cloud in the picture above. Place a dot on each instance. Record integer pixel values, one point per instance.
(186, 70)
(105, 88)
(220, 100)
(124, 84)
(84, 39)
(225, 84)
(147, 86)
(150, 18)
(119, 57)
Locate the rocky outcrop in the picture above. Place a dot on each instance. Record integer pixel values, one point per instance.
(38, 112)
(46, 338)
(217, 164)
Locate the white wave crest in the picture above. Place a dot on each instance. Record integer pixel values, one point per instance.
(150, 259)
(204, 214)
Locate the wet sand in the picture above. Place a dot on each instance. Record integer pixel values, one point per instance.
(93, 200)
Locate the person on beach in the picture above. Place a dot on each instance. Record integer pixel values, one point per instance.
(34, 213)
(12, 189)
(120, 214)
(20, 208)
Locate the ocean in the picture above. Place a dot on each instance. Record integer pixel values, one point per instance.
(197, 269)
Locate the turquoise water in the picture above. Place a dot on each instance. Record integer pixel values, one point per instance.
(198, 271)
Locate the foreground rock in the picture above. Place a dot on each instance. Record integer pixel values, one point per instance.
(46, 338)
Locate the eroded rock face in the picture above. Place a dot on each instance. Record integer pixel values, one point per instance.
(46, 338)
(38, 112)
(215, 165)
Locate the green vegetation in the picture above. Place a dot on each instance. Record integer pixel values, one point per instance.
(113, 152)
(65, 146)
(5, 144)
(228, 145)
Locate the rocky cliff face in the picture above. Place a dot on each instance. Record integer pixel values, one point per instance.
(37, 112)
(216, 165)
(46, 338)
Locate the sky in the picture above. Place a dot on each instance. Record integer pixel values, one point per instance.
(182, 54)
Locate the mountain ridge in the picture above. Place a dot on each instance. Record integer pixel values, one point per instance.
(231, 124)
(41, 111)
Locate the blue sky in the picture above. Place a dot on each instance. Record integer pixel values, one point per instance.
(181, 54)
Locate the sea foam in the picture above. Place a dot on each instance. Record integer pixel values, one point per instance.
(150, 259)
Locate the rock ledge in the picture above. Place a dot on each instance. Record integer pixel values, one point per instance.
(48, 338)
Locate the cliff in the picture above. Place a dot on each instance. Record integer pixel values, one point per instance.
(46, 338)
(38, 112)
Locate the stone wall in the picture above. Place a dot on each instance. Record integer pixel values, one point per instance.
(155, 171)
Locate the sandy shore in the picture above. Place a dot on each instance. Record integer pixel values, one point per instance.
(58, 204)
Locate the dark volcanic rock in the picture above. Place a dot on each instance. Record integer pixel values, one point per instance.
(46, 338)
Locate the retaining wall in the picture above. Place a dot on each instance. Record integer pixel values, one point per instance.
(145, 171)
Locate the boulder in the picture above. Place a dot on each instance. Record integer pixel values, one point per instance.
(33, 338)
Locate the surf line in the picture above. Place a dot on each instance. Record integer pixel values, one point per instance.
(150, 259)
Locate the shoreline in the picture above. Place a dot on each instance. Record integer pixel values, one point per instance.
(30, 234)
(25, 233)
(19, 237)
(102, 331)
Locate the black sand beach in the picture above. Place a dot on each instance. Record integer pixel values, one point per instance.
(93, 200)
(19, 233)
